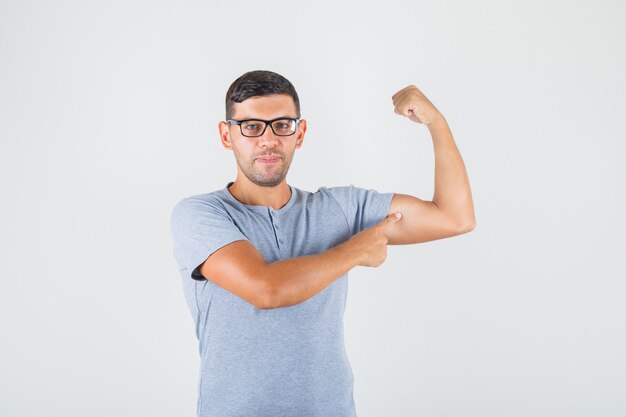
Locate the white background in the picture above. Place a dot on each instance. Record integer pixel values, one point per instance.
(108, 117)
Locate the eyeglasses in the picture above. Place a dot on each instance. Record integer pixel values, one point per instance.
(251, 128)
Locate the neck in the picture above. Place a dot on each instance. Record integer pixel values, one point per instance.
(252, 194)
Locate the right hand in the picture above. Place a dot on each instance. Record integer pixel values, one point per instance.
(371, 244)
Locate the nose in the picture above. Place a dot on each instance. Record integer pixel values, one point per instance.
(268, 138)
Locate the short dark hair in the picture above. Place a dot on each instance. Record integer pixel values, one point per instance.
(259, 83)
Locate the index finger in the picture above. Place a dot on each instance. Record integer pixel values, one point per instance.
(390, 219)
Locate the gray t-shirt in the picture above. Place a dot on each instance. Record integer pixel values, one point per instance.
(288, 361)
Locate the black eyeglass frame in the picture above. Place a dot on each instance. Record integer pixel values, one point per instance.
(267, 122)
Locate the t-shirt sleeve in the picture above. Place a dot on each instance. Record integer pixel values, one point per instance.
(362, 207)
(199, 228)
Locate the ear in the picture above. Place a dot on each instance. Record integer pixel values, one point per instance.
(225, 135)
(301, 132)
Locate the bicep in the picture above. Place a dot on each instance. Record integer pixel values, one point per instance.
(238, 267)
(422, 221)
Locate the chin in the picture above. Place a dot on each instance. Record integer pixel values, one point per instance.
(265, 181)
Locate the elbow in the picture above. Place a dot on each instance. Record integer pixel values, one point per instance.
(469, 228)
(266, 302)
(466, 225)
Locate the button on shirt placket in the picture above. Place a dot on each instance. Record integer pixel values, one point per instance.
(277, 229)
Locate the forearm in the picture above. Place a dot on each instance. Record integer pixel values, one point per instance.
(295, 280)
(452, 189)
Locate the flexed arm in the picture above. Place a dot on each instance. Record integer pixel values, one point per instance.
(451, 211)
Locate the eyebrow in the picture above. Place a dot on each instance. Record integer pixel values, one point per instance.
(273, 118)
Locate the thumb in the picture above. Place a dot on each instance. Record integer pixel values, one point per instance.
(391, 219)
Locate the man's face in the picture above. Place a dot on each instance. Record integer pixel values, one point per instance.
(254, 154)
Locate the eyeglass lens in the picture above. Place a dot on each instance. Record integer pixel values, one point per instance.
(282, 127)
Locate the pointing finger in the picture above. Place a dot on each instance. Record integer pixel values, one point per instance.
(391, 219)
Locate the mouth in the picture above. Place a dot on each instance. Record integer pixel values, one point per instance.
(269, 159)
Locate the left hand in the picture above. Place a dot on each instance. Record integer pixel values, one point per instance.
(412, 103)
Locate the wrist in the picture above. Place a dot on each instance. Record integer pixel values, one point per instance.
(348, 251)
(437, 122)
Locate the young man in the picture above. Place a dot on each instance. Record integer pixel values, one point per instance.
(265, 264)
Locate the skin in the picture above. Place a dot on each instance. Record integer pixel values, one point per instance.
(451, 211)
(239, 267)
(259, 183)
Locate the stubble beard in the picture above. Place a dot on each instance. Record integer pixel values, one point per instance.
(263, 177)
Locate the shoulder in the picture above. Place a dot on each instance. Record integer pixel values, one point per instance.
(336, 192)
(351, 194)
(348, 194)
(330, 196)
(197, 204)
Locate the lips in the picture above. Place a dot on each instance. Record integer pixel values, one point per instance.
(268, 159)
